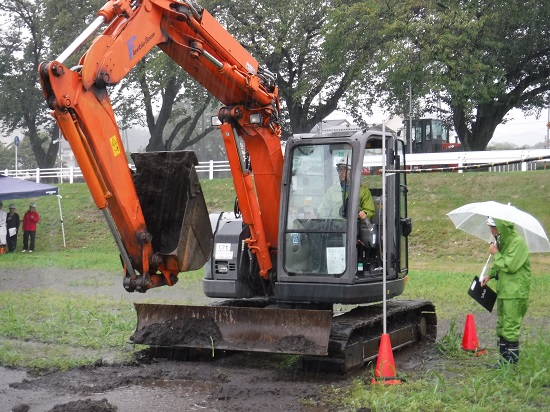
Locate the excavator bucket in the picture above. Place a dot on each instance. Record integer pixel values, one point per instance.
(253, 329)
(173, 206)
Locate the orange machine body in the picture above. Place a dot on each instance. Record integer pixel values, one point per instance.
(204, 49)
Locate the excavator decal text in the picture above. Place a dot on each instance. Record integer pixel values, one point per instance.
(132, 49)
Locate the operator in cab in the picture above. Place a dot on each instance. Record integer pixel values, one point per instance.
(332, 205)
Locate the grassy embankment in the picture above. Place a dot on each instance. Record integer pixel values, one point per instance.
(72, 328)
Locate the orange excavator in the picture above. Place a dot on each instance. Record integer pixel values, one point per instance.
(286, 259)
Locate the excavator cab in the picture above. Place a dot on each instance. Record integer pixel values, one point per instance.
(327, 254)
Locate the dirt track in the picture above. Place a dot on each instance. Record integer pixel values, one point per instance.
(241, 382)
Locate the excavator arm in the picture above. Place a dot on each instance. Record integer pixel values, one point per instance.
(80, 104)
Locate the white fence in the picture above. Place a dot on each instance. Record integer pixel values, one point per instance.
(69, 174)
(418, 160)
(209, 169)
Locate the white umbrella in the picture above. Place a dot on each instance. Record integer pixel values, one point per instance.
(472, 219)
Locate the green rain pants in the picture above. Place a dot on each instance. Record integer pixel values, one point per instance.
(510, 315)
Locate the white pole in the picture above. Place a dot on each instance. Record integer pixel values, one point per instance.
(482, 274)
(61, 217)
(60, 159)
(410, 120)
(96, 24)
(15, 160)
(384, 225)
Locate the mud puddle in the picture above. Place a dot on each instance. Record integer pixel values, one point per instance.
(243, 382)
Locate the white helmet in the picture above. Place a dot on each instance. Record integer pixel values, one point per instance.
(344, 162)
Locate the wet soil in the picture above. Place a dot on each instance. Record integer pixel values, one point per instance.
(237, 382)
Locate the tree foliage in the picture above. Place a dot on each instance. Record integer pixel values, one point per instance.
(25, 156)
(470, 61)
(314, 76)
(160, 95)
(32, 31)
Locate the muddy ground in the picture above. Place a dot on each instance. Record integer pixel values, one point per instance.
(239, 382)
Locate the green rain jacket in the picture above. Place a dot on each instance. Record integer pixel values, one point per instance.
(511, 263)
(330, 206)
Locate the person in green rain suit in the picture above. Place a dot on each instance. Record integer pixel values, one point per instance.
(332, 203)
(512, 271)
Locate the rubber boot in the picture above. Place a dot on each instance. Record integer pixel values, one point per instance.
(501, 346)
(502, 350)
(512, 352)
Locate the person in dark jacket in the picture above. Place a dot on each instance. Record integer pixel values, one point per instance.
(3, 229)
(12, 224)
(512, 271)
(30, 219)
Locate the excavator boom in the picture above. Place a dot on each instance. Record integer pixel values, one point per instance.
(202, 47)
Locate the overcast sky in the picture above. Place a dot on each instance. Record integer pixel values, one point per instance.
(522, 130)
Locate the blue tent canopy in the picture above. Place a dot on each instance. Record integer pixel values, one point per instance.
(11, 188)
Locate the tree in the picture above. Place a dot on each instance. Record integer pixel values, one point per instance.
(25, 156)
(28, 33)
(472, 61)
(157, 81)
(314, 75)
(21, 47)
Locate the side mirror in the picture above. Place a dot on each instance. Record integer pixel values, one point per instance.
(406, 226)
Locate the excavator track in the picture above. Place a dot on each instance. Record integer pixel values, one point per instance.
(333, 344)
(355, 335)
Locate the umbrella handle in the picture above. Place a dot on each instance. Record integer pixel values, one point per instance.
(484, 268)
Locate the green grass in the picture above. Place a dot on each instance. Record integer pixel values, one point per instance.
(469, 384)
(50, 316)
(50, 329)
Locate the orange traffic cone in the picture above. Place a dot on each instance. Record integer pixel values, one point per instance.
(469, 338)
(385, 372)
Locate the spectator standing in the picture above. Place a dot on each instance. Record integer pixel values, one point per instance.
(30, 220)
(12, 222)
(3, 230)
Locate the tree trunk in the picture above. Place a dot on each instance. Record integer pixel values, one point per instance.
(482, 129)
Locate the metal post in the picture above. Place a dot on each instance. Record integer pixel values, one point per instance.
(60, 158)
(16, 144)
(410, 119)
(96, 24)
(384, 225)
(61, 217)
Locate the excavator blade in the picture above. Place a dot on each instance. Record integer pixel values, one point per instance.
(174, 208)
(292, 331)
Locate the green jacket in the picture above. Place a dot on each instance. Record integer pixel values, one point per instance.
(332, 202)
(366, 202)
(511, 263)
